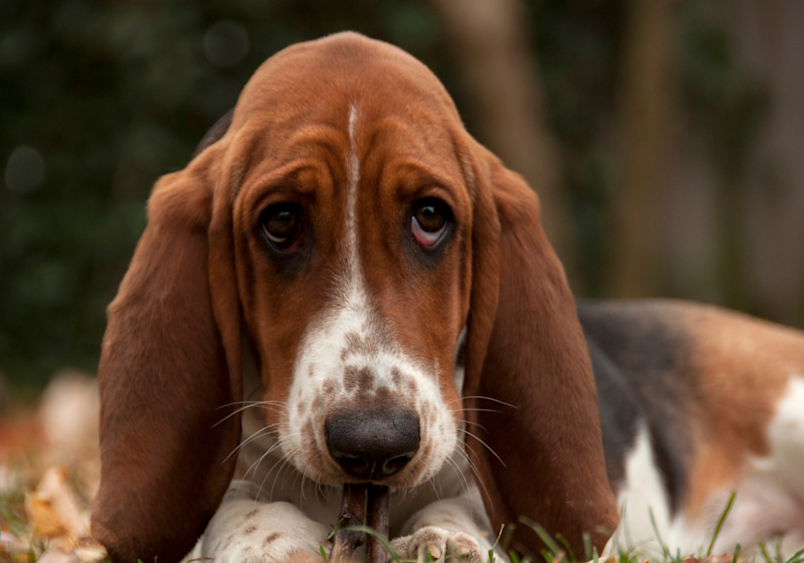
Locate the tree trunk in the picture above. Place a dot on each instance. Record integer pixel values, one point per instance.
(770, 41)
(645, 106)
(496, 62)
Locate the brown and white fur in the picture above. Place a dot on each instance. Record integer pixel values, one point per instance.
(230, 364)
(697, 403)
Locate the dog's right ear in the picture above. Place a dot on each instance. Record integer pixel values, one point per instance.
(169, 371)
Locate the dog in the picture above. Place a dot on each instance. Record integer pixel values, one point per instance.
(343, 286)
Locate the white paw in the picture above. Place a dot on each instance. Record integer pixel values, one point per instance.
(437, 544)
(245, 532)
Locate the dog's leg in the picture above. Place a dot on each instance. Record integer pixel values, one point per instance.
(245, 530)
(453, 529)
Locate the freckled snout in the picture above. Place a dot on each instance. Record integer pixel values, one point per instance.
(372, 445)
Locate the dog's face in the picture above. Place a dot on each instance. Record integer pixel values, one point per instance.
(348, 231)
(353, 214)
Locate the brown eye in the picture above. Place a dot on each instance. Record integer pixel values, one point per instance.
(281, 225)
(429, 221)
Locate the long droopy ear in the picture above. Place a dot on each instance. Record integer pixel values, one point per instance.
(169, 371)
(525, 348)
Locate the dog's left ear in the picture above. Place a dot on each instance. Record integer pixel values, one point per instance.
(525, 348)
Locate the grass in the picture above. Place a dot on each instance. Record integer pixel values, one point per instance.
(557, 549)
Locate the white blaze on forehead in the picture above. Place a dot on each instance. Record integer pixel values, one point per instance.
(353, 272)
(351, 285)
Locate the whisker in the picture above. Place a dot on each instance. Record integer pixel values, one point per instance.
(276, 477)
(293, 484)
(461, 476)
(280, 466)
(268, 451)
(281, 403)
(262, 404)
(468, 459)
(465, 422)
(485, 444)
(475, 470)
(257, 434)
(433, 483)
(319, 489)
(472, 409)
(259, 491)
(259, 460)
(484, 398)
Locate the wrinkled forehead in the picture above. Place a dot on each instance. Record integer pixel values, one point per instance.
(325, 90)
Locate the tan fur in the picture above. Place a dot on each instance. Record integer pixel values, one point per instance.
(741, 366)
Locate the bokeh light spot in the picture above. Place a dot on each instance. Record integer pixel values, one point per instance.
(25, 169)
(226, 43)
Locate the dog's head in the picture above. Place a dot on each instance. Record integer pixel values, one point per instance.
(384, 270)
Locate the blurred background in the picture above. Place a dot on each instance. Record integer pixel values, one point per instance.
(665, 138)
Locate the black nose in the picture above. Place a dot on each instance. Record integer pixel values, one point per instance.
(372, 445)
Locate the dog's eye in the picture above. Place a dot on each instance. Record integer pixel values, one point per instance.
(281, 225)
(429, 221)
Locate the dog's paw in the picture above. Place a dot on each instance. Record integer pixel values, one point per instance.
(244, 532)
(437, 544)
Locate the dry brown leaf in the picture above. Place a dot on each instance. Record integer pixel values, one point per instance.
(43, 517)
(54, 510)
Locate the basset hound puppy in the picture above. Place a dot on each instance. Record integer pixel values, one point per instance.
(343, 286)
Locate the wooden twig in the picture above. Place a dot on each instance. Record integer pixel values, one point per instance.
(352, 514)
(378, 519)
(362, 504)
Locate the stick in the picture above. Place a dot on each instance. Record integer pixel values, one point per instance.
(378, 519)
(352, 514)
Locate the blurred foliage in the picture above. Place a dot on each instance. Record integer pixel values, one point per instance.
(111, 95)
(98, 98)
(725, 99)
(578, 44)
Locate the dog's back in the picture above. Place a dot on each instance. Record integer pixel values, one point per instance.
(696, 403)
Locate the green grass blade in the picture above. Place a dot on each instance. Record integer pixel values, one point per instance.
(587, 546)
(720, 522)
(737, 549)
(764, 551)
(493, 547)
(658, 535)
(569, 551)
(372, 532)
(335, 529)
(543, 535)
(323, 553)
(797, 557)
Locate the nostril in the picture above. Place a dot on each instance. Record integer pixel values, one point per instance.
(372, 445)
(395, 465)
